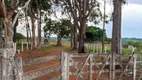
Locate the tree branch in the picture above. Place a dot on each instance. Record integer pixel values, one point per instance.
(18, 13)
(14, 6)
(2, 9)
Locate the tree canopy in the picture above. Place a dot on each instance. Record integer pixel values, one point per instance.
(94, 33)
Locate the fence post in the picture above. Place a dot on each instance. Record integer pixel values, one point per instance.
(22, 47)
(18, 51)
(65, 66)
(90, 67)
(97, 49)
(100, 48)
(15, 46)
(105, 49)
(112, 67)
(93, 48)
(134, 67)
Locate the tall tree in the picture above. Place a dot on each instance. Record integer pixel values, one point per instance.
(8, 69)
(116, 32)
(1, 34)
(8, 10)
(36, 14)
(60, 28)
(82, 11)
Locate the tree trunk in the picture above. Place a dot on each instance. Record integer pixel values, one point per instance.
(59, 40)
(74, 36)
(8, 33)
(33, 33)
(1, 41)
(27, 30)
(8, 53)
(116, 33)
(14, 36)
(39, 25)
(39, 33)
(82, 37)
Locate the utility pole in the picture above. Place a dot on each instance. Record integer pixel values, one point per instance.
(103, 36)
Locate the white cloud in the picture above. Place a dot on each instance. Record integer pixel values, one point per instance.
(132, 10)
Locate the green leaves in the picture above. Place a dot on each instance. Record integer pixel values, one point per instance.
(94, 33)
(61, 27)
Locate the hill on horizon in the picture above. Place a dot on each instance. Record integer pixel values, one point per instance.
(126, 40)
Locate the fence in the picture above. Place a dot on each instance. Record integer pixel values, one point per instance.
(96, 48)
(101, 66)
(21, 46)
(30, 76)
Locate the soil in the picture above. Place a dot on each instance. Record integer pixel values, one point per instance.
(31, 54)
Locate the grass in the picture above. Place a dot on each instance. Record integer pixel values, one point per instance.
(44, 49)
(126, 51)
(68, 49)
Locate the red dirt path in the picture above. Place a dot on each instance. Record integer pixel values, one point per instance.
(30, 54)
(37, 53)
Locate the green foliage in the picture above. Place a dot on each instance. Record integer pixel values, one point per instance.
(61, 27)
(94, 33)
(138, 45)
(8, 3)
(43, 4)
(19, 36)
(130, 43)
(126, 40)
(126, 51)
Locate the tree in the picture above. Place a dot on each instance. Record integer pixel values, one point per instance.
(94, 33)
(138, 45)
(60, 28)
(82, 11)
(1, 34)
(35, 13)
(8, 10)
(116, 32)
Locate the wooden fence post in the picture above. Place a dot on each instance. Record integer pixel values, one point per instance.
(90, 66)
(112, 67)
(97, 49)
(15, 46)
(93, 48)
(106, 49)
(65, 66)
(22, 47)
(100, 48)
(134, 66)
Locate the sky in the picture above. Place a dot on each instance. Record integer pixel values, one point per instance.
(131, 20)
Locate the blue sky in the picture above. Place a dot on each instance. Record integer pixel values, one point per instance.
(131, 20)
